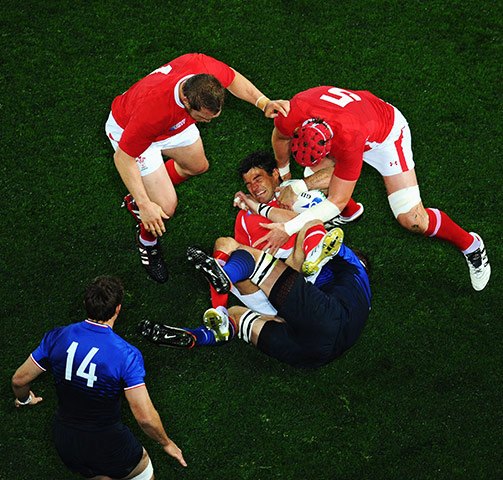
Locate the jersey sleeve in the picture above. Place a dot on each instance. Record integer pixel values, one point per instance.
(218, 69)
(41, 354)
(348, 153)
(133, 373)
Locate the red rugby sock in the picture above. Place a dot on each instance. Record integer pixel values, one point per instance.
(176, 178)
(147, 237)
(313, 237)
(350, 209)
(219, 299)
(441, 226)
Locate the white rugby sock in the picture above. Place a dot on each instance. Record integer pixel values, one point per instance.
(263, 268)
(258, 301)
(246, 325)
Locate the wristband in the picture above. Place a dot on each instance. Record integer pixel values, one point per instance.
(323, 211)
(264, 209)
(262, 102)
(30, 398)
(284, 170)
(299, 186)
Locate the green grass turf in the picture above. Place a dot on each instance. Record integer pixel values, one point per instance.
(419, 396)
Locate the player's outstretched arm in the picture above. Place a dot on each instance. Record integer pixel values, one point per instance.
(242, 88)
(21, 381)
(150, 422)
(281, 146)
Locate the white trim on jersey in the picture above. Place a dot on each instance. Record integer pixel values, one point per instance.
(177, 90)
(102, 325)
(37, 364)
(134, 386)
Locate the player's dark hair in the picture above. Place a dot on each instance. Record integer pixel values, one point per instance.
(363, 257)
(204, 91)
(263, 160)
(103, 295)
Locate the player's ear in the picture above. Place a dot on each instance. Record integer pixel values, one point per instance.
(185, 100)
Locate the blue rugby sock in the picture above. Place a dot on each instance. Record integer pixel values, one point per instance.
(239, 266)
(203, 335)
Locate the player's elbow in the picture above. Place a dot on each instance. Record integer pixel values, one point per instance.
(18, 380)
(145, 418)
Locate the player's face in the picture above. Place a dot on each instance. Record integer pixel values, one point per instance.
(203, 115)
(260, 184)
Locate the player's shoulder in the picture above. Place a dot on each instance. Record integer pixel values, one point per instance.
(195, 61)
(123, 345)
(55, 333)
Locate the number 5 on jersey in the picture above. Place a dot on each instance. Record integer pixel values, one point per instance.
(340, 97)
(81, 371)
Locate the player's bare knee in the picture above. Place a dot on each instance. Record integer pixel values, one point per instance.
(235, 313)
(408, 209)
(226, 244)
(196, 168)
(170, 207)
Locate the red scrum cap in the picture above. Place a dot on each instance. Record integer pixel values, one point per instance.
(311, 142)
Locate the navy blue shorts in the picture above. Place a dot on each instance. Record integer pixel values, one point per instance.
(112, 451)
(321, 322)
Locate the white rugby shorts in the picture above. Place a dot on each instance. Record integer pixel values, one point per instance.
(151, 159)
(394, 155)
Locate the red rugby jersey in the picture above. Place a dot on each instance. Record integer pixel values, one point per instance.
(358, 120)
(247, 229)
(151, 109)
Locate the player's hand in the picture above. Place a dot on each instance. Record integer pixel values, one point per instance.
(153, 216)
(275, 107)
(245, 202)
(34, 401)
(172, 449)
(275, 239)
(286, 198)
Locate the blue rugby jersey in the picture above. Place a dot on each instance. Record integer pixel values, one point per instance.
(323, 281)
(91, 365)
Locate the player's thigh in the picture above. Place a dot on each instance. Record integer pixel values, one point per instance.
(160, 190)
(394, 155)
(280, 341)
(191, 159)
(145, 463)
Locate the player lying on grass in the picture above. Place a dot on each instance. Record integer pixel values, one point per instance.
(322, 298)
(261, 178)
(329, 124)
(155, 118)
